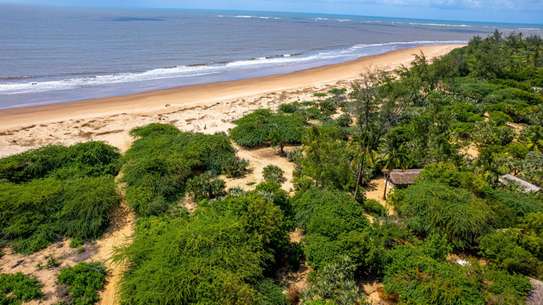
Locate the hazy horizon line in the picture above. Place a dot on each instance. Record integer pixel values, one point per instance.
(138, 8)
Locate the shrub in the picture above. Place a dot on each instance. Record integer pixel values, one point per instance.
(451, 175)
(500, 118)
(270, 293)
(79, 160)
(328, 106)
(37, 213)
(217, 256)
(83, 281)
(414, 277)
(18, 288)
(290, 107)
(510, 207)
(375, 208)
(163, 159)
(265, 128)
(206, 186)
(236, 168)
(273, 173)
(334, 284)
(335, 227)
(328, 212)
(88, 203)
(505, 248)
(434, 208)
(344, 120)
(55, 192)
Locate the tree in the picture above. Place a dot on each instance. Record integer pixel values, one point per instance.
(264, 128)
(329, 161)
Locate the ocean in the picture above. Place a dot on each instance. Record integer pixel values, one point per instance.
(54, 55)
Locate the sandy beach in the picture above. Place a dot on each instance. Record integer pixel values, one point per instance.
(205, 108)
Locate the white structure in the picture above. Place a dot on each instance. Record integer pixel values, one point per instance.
(524, 185)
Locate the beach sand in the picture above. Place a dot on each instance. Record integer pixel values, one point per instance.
(205, 108)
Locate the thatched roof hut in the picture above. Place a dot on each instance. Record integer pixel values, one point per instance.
(404, 177)
(526, 186)
(400, 178)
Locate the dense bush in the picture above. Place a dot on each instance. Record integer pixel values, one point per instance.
(217, 256)
(273, 192)
(57, 192)
(83, 282)
(328, 161)
(505, 248)
(430, 207)
(206, 186)
(79, 160)
(163, 159)
(415, 277)
(18, 288)
(290, 107)
(334, 284)
(265, 128)
(373, 207)
(335, 227)
(273, 173)
(511, 207)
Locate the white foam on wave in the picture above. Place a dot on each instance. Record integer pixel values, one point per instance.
(430, 24)
(249, 17)
(353, 52)
(447, 25)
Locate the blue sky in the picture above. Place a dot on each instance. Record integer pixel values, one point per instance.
(521, 11)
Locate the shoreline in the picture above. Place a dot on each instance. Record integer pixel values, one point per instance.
(207, 108)
(156, 100)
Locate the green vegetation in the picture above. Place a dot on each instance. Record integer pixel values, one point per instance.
(162, 161)
(458, 235)
(218, 256)
(274, 174)
(334, 284)
(417, 275)
(265, 128)
(205, 186)
(56, 192)
(18, 288)
(83, 282)
(432, 208)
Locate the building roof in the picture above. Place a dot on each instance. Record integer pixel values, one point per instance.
(404, 177)
(524, 185)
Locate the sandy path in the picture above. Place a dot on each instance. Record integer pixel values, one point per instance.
(119, 235)
(258, 160)
(376, 191)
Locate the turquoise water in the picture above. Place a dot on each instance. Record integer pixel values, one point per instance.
(50, 55)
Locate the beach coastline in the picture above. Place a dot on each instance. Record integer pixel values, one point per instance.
(205, 108)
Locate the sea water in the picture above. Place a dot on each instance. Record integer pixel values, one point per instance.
(52, 55)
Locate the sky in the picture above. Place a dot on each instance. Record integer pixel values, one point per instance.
(514, 11)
